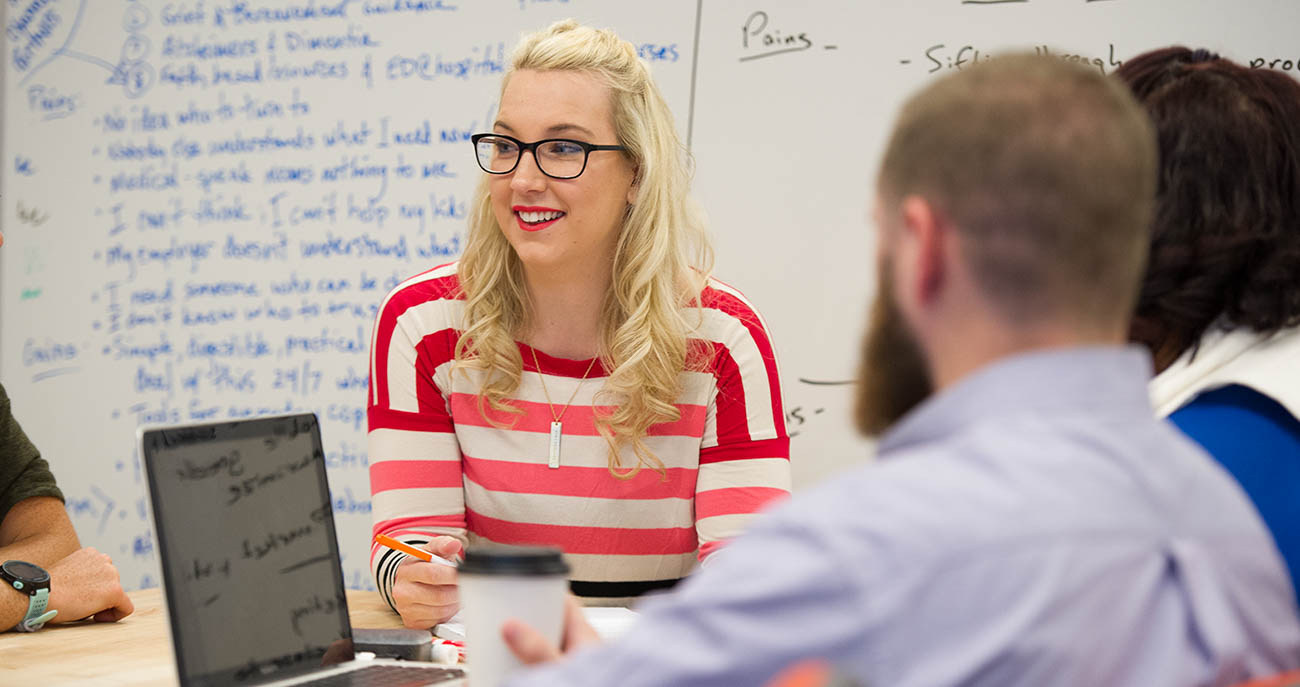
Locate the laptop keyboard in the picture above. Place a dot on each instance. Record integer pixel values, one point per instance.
(387, 676)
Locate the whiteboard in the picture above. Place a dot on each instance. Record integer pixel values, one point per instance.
(205, 201)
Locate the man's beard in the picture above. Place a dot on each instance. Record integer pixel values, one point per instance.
(893, 377)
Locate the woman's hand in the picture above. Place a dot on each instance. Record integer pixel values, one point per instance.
(425, 593)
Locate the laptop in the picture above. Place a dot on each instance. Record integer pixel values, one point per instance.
(250, 562)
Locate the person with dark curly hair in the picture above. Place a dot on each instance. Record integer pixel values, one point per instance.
(1220, 303)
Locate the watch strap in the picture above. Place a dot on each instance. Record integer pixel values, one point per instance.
(36, 616)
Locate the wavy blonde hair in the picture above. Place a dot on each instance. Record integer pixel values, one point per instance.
(661, 262)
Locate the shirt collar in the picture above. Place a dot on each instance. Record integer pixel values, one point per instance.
(1109, 379)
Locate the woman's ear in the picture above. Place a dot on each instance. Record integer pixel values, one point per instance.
(635, 188)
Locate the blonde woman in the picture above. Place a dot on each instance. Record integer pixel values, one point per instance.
(576, 379)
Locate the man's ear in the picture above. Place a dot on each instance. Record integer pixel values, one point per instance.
(923, 243)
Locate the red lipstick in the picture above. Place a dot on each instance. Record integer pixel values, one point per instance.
(534, 226)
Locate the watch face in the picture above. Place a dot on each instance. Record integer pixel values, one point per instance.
(26, 571)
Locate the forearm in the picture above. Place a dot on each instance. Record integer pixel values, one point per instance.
(416, 490)
(38, 531)
(42, 549)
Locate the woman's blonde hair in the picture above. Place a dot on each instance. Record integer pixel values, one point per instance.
(660, 266)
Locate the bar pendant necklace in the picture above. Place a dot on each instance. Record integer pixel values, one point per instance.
(557, 426)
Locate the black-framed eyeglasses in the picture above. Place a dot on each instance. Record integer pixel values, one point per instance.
(558, 158)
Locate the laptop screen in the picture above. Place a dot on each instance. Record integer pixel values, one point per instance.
(249, 557)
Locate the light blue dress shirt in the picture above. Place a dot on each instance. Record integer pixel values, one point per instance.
(1032, 525)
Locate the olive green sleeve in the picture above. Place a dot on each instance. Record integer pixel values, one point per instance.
(23, 473)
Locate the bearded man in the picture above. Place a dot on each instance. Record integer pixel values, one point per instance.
(1029, 521)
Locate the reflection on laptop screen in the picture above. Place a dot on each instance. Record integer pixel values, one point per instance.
(249, 556)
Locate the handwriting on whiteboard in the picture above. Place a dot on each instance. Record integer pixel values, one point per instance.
(761, 37)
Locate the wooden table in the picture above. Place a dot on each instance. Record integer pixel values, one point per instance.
(134, 651)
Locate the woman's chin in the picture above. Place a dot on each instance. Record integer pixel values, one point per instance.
(538, 257)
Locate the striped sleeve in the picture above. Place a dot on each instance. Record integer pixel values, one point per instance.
(416, 489)
(745, 452)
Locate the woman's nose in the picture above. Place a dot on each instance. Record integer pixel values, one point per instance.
(527, 175)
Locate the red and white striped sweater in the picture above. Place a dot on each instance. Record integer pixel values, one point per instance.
(439, 467)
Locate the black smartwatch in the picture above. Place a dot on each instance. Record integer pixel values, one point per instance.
(33, 581)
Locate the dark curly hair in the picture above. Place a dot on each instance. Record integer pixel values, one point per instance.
(1225, 245)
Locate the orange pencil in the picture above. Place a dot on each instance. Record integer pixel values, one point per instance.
(421, 554)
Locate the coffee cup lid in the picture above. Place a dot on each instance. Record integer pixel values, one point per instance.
(503, 559)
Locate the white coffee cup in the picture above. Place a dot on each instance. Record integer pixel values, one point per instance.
(499, 582)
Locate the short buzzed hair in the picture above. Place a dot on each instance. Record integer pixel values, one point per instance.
(1048, 171)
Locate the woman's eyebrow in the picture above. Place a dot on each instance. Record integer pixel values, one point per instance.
(551, 130)
(565, 128)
